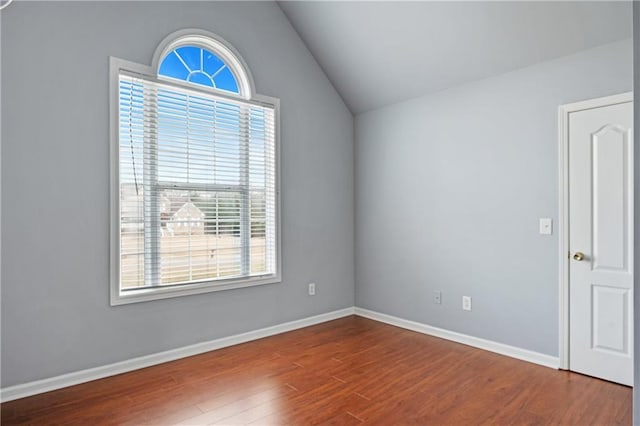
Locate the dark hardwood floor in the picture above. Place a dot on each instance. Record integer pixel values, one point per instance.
(343, 372)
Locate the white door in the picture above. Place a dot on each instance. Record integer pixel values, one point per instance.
(601, 242)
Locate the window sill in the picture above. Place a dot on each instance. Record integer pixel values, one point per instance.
(145, 294)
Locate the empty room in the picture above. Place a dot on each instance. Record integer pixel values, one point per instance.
(319, 212)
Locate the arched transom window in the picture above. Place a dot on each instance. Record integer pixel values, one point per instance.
(205, 60)
(198, 65)
(195, 199)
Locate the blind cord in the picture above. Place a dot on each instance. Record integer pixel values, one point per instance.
(133, 159)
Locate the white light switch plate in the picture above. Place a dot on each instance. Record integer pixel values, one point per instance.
(546, 226)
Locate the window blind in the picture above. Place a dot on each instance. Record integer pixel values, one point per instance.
(197, 180)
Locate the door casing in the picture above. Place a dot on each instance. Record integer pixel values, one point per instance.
(563, 214)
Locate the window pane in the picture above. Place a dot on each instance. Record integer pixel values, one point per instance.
(211, 63)
(226, 81)
(191, 55)
(131, 138)
(131, 238)
(198, 140)
(197, 186)
(200, 235)
(173, 67)
(201, 78)
(258, 233)
(198, 66)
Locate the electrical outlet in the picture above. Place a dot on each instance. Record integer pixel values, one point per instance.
(312, 289)
(437, 297)
(466, 303)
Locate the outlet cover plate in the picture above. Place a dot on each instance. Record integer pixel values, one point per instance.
(466, 303)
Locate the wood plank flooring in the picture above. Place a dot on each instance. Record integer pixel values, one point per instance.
(344, 372)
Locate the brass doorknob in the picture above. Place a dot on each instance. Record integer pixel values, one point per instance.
(578, 256)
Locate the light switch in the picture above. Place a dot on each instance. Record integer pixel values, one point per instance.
(546, 226)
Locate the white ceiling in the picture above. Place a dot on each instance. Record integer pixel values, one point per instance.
(378, 53)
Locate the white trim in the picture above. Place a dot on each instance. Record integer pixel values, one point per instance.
(7, 3)
(45, 385)
(563, 214)
(597, 102)
(146, 294)
(476, 342)
(563, 239)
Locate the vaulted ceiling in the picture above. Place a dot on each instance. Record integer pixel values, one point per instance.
(378, 53)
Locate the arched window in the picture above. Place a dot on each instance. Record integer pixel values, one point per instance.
(195, 199)
(198, 65)
(204, 59)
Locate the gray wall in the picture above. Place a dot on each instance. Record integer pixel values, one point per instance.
(56, 316)
(636, 307)
(449, 189)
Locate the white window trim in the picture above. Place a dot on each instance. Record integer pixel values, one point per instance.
(118, 297)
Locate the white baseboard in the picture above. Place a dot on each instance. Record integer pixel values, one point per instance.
(45, 385)
(488, 345)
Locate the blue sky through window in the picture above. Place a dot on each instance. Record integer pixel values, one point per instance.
(199, 66)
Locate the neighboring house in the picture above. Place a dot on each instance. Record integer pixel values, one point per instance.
(188, 219)
(178, 215)
(165, 205)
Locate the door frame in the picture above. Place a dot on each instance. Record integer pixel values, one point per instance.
(563, 214)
